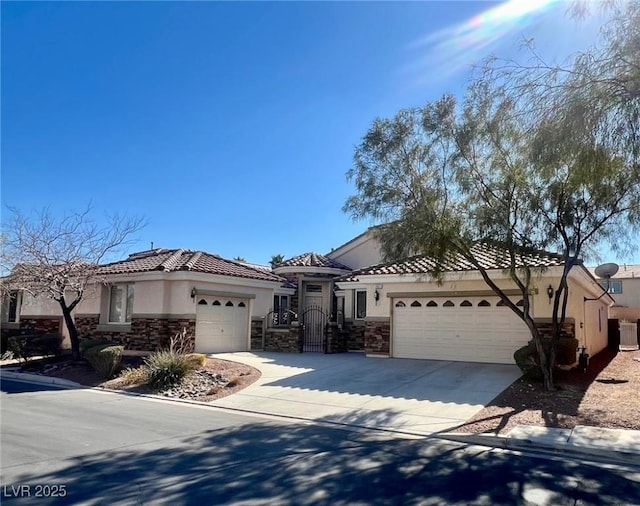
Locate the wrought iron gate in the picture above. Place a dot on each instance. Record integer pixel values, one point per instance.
(314, 329)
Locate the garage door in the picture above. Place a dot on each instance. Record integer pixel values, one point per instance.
(222, 324)
(470, 329)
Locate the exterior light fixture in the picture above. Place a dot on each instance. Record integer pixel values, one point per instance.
(193, 292)
(376, 295)
(550, 293)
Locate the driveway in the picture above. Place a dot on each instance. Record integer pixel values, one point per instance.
(418, 397)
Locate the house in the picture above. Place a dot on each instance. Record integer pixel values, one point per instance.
(624, 287)
(344, 300)
(151, 295)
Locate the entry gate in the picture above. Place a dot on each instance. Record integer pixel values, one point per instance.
(313, 329)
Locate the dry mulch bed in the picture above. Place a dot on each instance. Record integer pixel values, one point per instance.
(605, 396)
(218, 378)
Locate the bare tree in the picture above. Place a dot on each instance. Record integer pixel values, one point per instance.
(60, 257)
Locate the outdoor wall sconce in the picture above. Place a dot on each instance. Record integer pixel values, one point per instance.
(376, 295)
(193, 292)
(550, 293)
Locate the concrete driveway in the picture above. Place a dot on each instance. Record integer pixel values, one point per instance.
(418, 397)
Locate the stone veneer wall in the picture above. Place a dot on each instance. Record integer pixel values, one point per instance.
(146, 334)
(355, 335)
(568, 330)
(286, 339)
(257, 325)
(41, 324)
(377, 336)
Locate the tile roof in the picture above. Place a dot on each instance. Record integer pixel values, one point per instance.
(489, 256)
(313, 260)
(173, 260)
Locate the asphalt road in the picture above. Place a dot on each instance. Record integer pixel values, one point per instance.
(87, 447)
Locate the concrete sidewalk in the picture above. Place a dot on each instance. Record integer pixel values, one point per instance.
(612, 446)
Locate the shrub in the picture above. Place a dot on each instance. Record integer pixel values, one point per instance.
(135, 375)
(88, 343)
(197, 359)
(181, 343)
(167, 369)
(529, 363)
(28, 346)
(104, 358)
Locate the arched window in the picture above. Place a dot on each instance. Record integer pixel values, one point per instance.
(520, 303)
(465, 303)
(415, 303)
(400, 304)
(500, 303)
(448, 304)
(432, 303)
(242, 304)
(484, 303)
(229, 304)
(216, 303)
(202, 302)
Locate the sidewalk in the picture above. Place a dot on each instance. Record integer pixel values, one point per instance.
(611, 446)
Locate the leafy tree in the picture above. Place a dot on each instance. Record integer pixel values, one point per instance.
(240, 259)
(60, 257)
(533, 159)
(276, 260)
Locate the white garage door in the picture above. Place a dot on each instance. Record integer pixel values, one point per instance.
(471, 329)
(222, 324)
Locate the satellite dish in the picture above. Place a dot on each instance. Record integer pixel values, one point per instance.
(606, 270)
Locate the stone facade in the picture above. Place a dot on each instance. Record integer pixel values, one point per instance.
(287, 340)
(146, 334)
(377, 336)
(568, 329)
(257, 326)
(355, 335)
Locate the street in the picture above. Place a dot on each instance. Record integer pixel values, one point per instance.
(87, 447)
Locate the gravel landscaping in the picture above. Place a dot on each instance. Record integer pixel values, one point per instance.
(605, 396)
(218, 378)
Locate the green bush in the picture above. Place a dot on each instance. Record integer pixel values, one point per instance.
(104, 358)
(167, 369)
(28, 346)
(87, 343)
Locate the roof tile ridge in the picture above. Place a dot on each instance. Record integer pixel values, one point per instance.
(189, 265)
(170, 263)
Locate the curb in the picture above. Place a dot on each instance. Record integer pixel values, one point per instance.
(609, 456)
(39, 379)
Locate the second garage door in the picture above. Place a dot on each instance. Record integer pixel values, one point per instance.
(222, 324)
(469, 329)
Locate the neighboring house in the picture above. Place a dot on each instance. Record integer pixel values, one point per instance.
(344, 300)
(154, 294)
(624, 287)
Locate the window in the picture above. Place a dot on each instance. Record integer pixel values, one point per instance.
(400, 304)
(448, 304)
(465, 303)
(361, 304)
(415, 303)
(432, 303)
(484, 303)
(612, 286)
(280, 310)
(11, 307)
(121, 303)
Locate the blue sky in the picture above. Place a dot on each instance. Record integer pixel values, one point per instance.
(229, 126)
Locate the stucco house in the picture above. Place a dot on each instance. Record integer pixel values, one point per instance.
(345, 300)
(624, 287)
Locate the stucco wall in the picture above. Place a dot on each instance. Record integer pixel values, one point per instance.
(362, 252)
